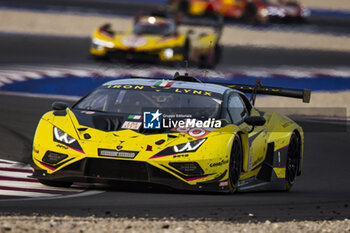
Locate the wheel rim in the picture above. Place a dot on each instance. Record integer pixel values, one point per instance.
(293, 153)
(235, 164)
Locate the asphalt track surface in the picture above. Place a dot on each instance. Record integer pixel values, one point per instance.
(322, 192)
(26, 49)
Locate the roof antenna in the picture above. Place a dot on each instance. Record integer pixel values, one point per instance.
(206, 69)
(258, 85)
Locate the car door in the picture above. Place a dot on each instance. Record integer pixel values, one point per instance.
(238, 109)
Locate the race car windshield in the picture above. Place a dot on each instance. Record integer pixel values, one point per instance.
(154, 29)
(136, 102)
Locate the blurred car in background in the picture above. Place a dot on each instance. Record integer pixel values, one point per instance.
(251, 11)
(159, 39)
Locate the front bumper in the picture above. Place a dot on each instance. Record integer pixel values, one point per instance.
(134, 55)
(94, 170)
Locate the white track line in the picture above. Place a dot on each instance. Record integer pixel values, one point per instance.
(7, 161)
(14, 174)
(16, 165)
(27, 189)
(32, 185)
(25, 194)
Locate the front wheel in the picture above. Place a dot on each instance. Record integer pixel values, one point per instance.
(235, 165)
(292, 161)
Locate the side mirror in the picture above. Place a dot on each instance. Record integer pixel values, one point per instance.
(59, 106)
(255, 120)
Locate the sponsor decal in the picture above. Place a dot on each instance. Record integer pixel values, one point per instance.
(62, 146)
(131, 125)
(88, 112)
(117, 154)
(260, 159)
(250, 161)
(164, 83)
(180, 156)
(135, 117)
(195, 132)
(134, 41)
(223, 183)
(222, 162)
(166, 88)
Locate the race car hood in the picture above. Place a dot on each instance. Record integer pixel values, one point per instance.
(146, 42)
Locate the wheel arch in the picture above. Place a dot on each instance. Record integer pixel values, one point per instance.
(243, 136)
(301, 148)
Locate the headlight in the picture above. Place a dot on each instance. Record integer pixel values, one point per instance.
(62, 136)
(168, 53)
(181, 148)
(102, 43)
(264, 12)
(188, 146)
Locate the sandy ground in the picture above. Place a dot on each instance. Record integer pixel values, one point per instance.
(293, 40)
(332, 104)
(82, 25)
(91, 224)
(327, 4)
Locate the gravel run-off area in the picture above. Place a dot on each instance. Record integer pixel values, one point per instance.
(92, 224)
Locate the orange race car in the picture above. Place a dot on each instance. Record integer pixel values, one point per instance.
(248, 10)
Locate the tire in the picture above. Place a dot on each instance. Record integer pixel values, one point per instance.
(184, 6)
(235, 165)
(292, 161)
(206, 63)
(186, 50)
(218, 52)
(55, 183)
(250, 13)
(100, 59)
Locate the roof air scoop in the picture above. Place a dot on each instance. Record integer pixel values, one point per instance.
(185, 78)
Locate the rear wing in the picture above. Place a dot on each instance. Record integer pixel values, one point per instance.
(259, 89)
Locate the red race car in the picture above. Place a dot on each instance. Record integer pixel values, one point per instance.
(253, 11)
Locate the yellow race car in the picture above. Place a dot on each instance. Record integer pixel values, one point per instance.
(180, 133)
(159, 40)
